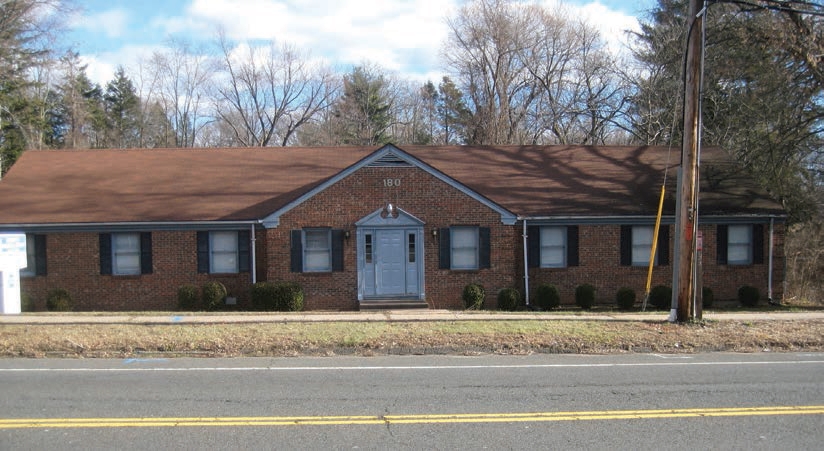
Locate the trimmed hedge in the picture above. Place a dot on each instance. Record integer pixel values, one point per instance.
(625, 298)
(277, 297)
(585, 296)
(547, 296)
(473, 296)
(660, 297)
(214, 293)
(509, 299)
(707, 297)
(188, 298)
(748, 296)
(58, 300)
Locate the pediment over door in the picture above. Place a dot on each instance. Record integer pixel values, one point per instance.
(389, 216)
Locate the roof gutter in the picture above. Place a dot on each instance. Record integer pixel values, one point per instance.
(131, 226)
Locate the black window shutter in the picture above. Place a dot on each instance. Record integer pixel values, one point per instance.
(444, 249)
(146, 253)
(105, 253)
(203, 252)
(663, 245)
(721, 244)
(244, 256)
(758, 244)
(484, 248)
(626, 245)
(40, 255)
(572, 246)
(337, 250)
(296, 251)
(533, 246)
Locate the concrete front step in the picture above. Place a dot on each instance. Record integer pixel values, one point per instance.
(393, 304)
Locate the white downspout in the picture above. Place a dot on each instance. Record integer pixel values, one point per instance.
(526, 268)
(770, 268)
(254, 257)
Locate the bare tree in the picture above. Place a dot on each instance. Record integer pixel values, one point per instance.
(266, 94)
(182, 74)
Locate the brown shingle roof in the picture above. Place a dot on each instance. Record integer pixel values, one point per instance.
(181, 185)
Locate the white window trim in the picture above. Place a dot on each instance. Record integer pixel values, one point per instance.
(213, 252)
(547, 247)
(307, 250)
(647, 247)
(119, 255)
(744, 244)
(31, 257)
(475, 247)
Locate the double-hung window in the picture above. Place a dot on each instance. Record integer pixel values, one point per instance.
(636, 245)
(126, 254)
(464, 248)
(223, 252)
(553, 247)
(317, 250)
(740, 244)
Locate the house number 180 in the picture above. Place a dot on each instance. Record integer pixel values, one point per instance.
(389, 183)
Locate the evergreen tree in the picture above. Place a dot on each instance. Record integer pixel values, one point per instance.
(364, 109)
(122, 112)
(453, 113)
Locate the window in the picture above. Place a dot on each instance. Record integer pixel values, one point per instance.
(553, 247)
(636, 243)
(317, 251)
(223, 252)
(411, 245)
(642, 245)
(740, 244)
(35, 256)
(125, 254)
(223, 256)
(464, 248)
(368, 247)
(321, 250)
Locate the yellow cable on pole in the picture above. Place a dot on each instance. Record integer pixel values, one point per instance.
(654, 246)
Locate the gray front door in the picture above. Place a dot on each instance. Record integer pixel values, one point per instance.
(390, 258)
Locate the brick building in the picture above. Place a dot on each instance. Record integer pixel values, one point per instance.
(355, 226)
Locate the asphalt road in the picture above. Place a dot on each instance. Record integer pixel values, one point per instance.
(639, 401)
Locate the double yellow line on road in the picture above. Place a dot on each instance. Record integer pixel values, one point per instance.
(21, 423)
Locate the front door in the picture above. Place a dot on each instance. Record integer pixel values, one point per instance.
(389, 256)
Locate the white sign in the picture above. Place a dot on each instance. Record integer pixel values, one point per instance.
(12, 258)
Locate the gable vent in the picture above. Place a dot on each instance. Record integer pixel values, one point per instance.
(389, 160)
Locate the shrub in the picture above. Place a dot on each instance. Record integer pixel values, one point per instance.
(748, 296)
(26, 303)
(707, 297)
(58, 300)
(277, 297)
(188, 297)
(473, 296)
(547, 296)
(509, 299)
(213, 293)
(585, 296)
(660, 297)
(625, 298)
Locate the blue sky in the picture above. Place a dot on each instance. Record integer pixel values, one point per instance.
(402, 36)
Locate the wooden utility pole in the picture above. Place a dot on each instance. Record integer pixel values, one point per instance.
(687, 200)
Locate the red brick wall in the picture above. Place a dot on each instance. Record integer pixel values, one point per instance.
(599, 253)
(73, 258)
(421, 195)
(73, 263)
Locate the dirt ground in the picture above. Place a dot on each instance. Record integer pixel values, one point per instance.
(403, 338)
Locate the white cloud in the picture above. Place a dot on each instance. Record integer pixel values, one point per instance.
(612, 25)
(102, 66)
(112, 23)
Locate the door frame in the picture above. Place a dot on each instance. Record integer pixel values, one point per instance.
(397, 219)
